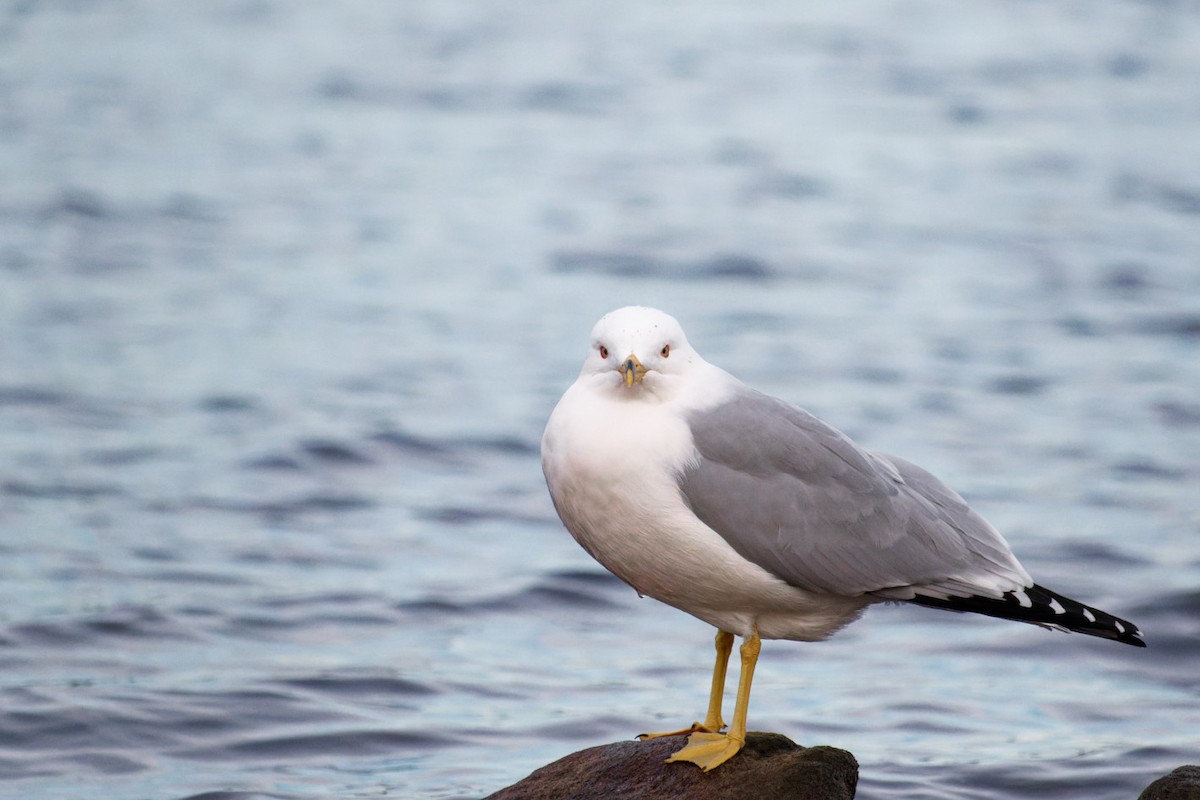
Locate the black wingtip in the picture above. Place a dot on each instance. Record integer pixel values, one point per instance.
(1038, 605)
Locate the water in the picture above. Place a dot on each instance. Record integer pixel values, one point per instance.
(289, 290)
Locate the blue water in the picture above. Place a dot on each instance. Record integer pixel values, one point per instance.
(287, 292)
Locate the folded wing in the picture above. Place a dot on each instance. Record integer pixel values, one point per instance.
(800, 499)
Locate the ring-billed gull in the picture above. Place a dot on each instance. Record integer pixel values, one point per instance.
(760, 519)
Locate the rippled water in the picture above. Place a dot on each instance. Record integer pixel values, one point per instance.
(287, 292)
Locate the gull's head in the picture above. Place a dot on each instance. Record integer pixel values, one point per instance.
(635, 349)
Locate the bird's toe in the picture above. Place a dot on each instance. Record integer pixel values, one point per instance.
(695, 727)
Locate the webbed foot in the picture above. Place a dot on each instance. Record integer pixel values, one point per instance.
(708, 750)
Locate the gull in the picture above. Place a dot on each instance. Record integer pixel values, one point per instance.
(753, 515)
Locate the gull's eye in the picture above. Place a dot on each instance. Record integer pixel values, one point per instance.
(666, 351)
(603, 351)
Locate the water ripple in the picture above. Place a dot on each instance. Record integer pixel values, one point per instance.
(341, 742)
(121, 624)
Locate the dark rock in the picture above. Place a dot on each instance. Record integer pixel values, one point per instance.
(770, 767)
(1181, 784)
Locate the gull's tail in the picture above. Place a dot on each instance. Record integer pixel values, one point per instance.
(1040, 606)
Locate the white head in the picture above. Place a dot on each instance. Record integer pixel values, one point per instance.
(637, 350)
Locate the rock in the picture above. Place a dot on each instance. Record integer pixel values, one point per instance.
(771, 767)
(1182, 784)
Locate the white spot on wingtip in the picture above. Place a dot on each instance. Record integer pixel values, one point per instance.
(1056, 607)
(1022, 598)
(1089, 616)
(1120, 627)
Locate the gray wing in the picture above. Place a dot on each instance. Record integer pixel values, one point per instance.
(800, 499)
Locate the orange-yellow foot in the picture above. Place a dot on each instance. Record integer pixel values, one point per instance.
(708, 750)
(695, 728)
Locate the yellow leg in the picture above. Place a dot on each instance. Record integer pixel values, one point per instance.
(712, 720)
(710, 750)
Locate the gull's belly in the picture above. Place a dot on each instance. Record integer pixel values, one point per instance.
(673, 557)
